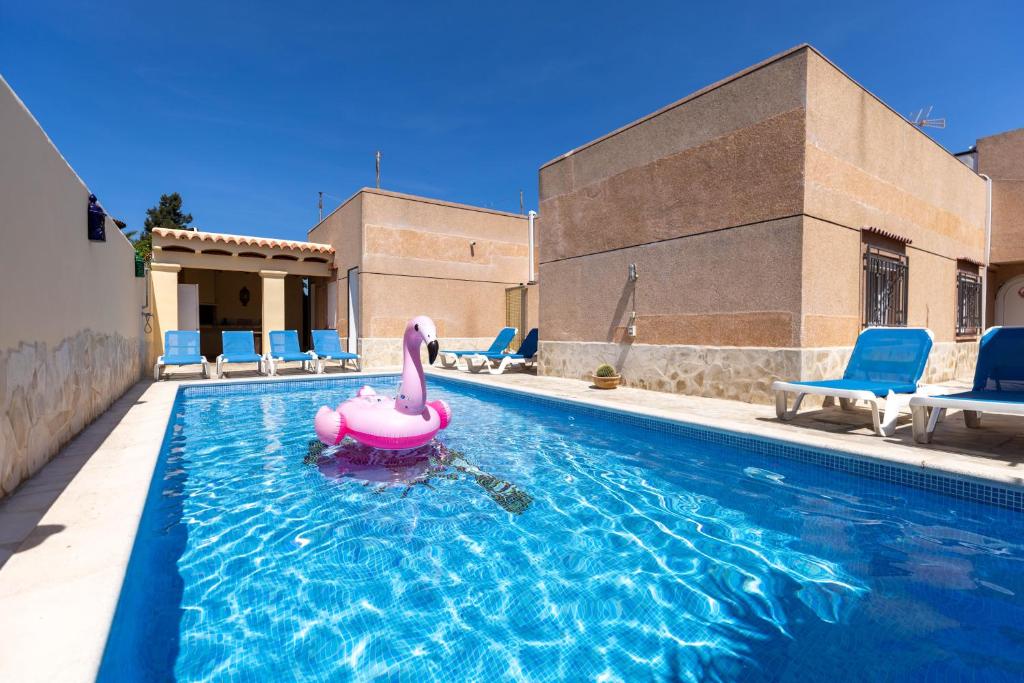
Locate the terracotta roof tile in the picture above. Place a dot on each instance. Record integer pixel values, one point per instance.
(886, 234)
(243, 240)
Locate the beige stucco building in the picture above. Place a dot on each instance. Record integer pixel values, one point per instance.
(397, 256)
(761, 213)
(215, 282)
(373, 263)
(1000, 158)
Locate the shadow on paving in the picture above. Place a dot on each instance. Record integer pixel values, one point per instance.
(21, 511)
(1000, 438)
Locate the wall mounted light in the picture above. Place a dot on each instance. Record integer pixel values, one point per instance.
(632, 273)
(97, 225)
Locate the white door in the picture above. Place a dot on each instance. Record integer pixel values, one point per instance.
(188, 307)
(353, 310)
(332, 305)
(1010, 303)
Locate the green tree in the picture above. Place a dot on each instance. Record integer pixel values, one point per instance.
(166, 214)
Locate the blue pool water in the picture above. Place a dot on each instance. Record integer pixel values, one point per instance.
(541, 543)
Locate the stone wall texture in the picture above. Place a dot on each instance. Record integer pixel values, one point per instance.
(743, 209)
(737, 373)
(48, 394)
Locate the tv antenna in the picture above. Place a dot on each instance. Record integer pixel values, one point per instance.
(922, 119)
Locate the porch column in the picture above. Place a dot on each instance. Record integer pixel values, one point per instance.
(164, 280)
(273, 303)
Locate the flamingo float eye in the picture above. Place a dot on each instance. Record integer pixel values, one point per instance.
(416, 327)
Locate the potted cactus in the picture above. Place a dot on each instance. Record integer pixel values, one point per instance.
(605, 377)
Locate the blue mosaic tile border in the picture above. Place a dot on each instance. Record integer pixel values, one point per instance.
(946, 484)
(274, 386)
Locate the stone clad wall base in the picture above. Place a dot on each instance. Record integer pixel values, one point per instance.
(386, 352)
(737, 373)
(49, 394)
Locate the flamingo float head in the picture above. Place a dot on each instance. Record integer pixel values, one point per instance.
(421, 329)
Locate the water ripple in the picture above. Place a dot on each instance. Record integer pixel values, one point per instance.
(525, 545)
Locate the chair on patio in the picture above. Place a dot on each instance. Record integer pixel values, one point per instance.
(238, 347)
(887, 363)
(998, 385)
(284, 348)
(526, 354)
(450, 358)
(181, 347)
(327, 346)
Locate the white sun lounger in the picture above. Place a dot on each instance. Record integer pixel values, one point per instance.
(886, 364)
(998, 385)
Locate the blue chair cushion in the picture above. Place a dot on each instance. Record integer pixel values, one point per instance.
(528, 349)
(500, 343)
(895, 356)
(289, 356)
(239, 347)
(876, 388)
(989, 395)
(182, 360)
(340, 355)
(327, 344)
(1001, 361)
(284, 345)
(242, 358)
(181, 344)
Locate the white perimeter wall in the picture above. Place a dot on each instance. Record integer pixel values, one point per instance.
(70, 309)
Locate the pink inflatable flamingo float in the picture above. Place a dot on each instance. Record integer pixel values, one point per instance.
(404, 422)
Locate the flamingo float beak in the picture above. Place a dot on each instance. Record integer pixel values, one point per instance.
(432, 349)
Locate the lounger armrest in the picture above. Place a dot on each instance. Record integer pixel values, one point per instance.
(1008, 408)
(797, 388)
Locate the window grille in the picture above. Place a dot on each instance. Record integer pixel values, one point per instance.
(515, 313)
(968, 303)
(885, 288)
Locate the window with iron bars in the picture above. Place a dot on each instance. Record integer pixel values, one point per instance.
(968, 303)
(885, 288)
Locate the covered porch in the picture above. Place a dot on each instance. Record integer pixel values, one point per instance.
(214, 282)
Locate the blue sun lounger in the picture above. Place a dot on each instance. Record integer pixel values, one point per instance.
(284, 348)
(998, 385)
(887, 363)
(238, 347)
(500, 343)
(527, 353)
(327, 346)
(181, 347)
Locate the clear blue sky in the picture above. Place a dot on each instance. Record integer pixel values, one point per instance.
(248, 109)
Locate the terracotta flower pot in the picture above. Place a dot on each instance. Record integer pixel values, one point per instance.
(607, 382)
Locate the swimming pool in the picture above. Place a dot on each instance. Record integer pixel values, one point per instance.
(542, 541)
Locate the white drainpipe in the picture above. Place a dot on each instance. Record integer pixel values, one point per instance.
(988, 249)
(533, 276)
